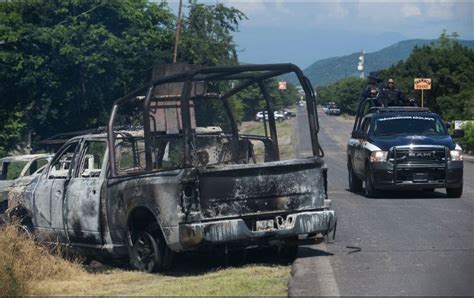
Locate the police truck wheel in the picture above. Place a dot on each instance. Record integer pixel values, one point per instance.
(370, 191)
(355, 184)
(455, 192)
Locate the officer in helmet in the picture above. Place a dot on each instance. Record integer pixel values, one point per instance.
(391, 96)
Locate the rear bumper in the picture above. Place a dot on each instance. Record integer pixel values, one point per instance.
(236, 230)
(384, 176)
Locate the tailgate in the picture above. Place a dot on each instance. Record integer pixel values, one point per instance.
(282, 186)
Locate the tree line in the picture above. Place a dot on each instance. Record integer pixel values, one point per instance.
(63, 62)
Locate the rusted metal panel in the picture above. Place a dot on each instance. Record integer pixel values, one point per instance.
(165, 116)
(254, 189)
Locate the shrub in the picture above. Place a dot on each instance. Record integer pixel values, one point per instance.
(467, 142)
(22, 261)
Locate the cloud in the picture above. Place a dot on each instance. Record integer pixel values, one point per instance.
(410, 10)
(441, 10)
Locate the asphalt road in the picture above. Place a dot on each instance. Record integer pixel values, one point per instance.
(403, 243)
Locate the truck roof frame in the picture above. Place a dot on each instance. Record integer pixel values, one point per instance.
(250, 74)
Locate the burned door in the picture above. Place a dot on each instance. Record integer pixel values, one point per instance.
(83, 195)
(49, 193)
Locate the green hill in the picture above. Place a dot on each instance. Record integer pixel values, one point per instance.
(326, 71)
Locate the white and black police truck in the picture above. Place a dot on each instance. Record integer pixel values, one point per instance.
(395, 148)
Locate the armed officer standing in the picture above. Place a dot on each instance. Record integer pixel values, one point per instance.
(391, 96)
(372, 89)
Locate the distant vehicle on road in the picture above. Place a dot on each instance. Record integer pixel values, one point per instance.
(404, 148)
(279, 116)
(288, 114)
(332, 109)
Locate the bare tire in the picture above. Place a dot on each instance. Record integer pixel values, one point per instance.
(149, 252)
(370, 191)
(355, 184)
(455, 192)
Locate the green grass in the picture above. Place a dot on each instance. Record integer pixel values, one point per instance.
(252, 280)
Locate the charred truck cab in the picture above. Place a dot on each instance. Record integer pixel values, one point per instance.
(403, 148)
(181, 183)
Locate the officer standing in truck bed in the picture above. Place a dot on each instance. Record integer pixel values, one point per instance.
(372, 89)
(392, 96)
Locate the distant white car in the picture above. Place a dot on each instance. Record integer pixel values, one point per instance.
(331, 109)
(279, 116)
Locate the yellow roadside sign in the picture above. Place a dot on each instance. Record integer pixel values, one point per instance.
(422, 83)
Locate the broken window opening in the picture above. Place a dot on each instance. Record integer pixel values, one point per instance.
(63, 166)
(92, 160)
(12, 170)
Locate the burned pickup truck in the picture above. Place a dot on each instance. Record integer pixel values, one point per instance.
(181, 183)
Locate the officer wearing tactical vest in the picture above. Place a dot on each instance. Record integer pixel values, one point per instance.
(391, 96)
(372, 89)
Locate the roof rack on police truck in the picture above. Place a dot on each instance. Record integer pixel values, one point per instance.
(397, 109)
(371, 105)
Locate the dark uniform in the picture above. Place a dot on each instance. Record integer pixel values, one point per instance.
(372, 90)
(392, 97)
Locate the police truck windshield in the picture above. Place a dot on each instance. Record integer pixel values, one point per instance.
(409, 125)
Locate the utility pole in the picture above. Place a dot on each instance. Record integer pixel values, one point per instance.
(178, 29)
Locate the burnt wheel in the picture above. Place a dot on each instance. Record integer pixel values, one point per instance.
(149, 252)
(355, 184)
(370, 191)
(454, 192)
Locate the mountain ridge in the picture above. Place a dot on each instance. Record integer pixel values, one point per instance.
(328, 70)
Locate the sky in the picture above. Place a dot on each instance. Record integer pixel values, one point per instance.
(303, 32)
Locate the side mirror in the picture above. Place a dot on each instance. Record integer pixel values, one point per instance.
(448, 125)
(357, 134)
(457, 133)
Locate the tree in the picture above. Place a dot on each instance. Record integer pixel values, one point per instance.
(346, 93)
(451, 68)
(64, 62)
(207, 34)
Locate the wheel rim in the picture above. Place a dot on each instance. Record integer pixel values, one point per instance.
(145, 250)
